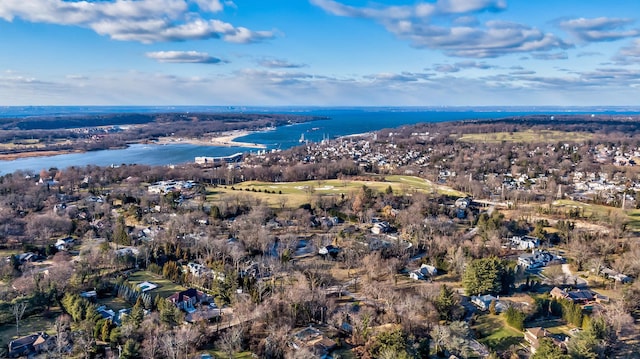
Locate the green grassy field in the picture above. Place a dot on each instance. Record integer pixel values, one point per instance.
(293, 194)
(495, 333)
(526, 136)
(29, 325)
(9, 252)
(242, 355)
(114, 303)
(165, 286)
(601, 212)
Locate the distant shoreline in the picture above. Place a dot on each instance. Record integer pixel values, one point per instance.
(221, 139)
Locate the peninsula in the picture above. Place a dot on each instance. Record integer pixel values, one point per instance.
(52, 135)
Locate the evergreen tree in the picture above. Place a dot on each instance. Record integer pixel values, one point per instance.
(105, 330)
(130, 349)
(487, 276)
(120, 235)
(515, 317)
(492, 307)
(548, 350)
(447, 304)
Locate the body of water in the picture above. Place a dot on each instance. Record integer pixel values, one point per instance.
(339, 122)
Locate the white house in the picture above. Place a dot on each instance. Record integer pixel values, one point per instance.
(535, 259)
(64, 243)
(484, 301)
(525, 243)
(425, 271)
(380, 227)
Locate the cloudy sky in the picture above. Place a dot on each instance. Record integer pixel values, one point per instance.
(320, 52)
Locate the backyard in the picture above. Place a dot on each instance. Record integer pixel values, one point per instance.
(165, 287)
(494, 332)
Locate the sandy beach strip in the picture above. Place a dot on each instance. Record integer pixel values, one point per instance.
(222, 139)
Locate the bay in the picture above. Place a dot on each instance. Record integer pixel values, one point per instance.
(134, 154)
(338, 122)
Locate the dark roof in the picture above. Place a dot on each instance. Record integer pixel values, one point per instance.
(21, 342)
(581, 295)
(189, 293)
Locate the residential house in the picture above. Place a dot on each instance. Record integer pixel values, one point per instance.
(30, 344)
(197, 269)
(535, 259)
(618, 277)
(28, 257)
(64, 244)
(91, 295)
(424, 272)
(525, 243)
(187, 299)
(314, 340)
(381, 227)
(463, 202)
(204, 313)
(534, 335)
(483, 302)
(330, 250)
(577, 296)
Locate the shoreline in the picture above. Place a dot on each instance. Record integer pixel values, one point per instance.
(220, 139)
(31, 154)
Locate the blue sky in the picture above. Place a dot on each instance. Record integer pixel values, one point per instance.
(320, 52)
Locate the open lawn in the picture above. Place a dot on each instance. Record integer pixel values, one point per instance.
(114, 303)
(293, 194)
(495, 333)
(601, 212)
(553, 325)
(241, 355)
(526, 136)
(9, 252)
(29, 325)
(634, 220)
(165, 286)
(344, 353)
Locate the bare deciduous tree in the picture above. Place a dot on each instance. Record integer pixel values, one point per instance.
(18, 312)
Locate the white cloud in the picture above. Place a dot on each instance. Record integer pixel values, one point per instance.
(458, 66)
(606, 86)
(629, 54)
(497, 38)
(192, 57)
(145, 21)
(209, 5)
(467, 6)
(419, 10)
(599, 29)
(464, 37)
(550, 56)
(278, 64)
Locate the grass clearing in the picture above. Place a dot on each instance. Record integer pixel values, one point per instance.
(9, 252)
(165, 286)
(634, 220)
(114, 303)
(294, 194)
(29, 325)
(242, 355)
(602, 213)
(527, 136)
(555, 326)
(494, 332)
